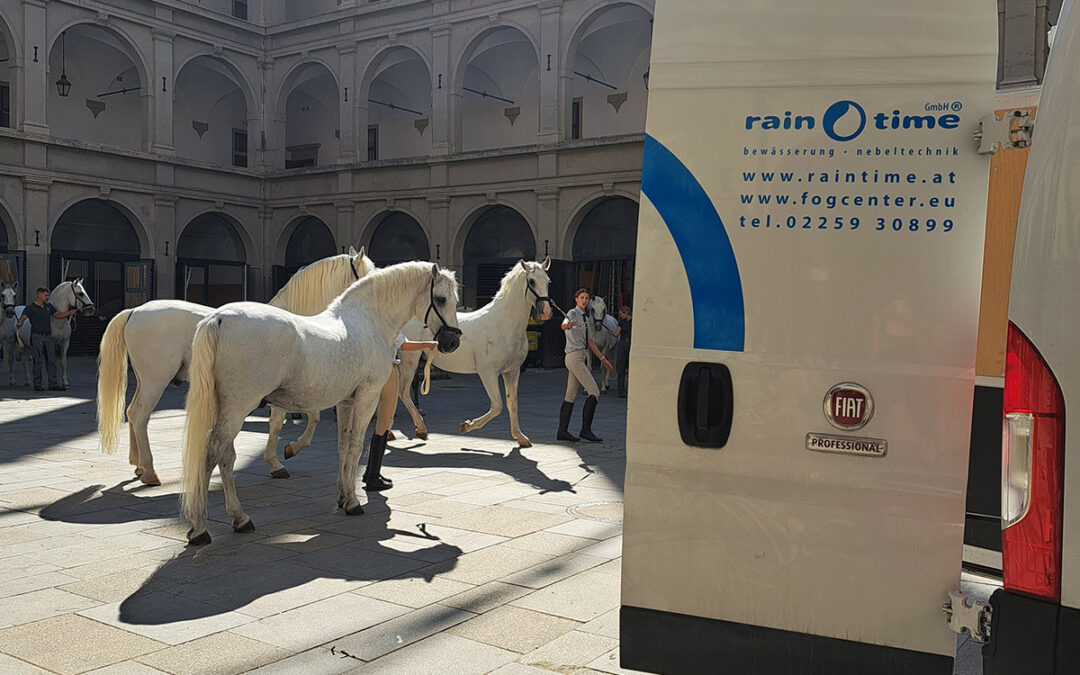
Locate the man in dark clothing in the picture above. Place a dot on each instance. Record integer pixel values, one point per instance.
(622, 350)
(40, 315)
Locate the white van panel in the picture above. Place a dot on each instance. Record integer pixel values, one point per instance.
(1047, 262)
(764, 532)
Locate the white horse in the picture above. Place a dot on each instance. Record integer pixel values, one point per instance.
(601, 332)
(156, 338)
(66, 296)
(493, 343)
(14, 341)
(246, 351)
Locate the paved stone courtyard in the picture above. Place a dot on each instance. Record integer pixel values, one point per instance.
(472, 563)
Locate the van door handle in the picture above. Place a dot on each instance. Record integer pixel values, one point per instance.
(705, 405)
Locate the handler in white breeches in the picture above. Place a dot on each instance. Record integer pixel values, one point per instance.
(575, 328)
(384, 416)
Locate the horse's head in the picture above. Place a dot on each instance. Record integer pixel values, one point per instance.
(80, 301)
(442, 302)
(536, 287)
(7, 297)
(596, 310)
(361, 264)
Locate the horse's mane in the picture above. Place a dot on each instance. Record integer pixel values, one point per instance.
(508, 279)
(389, 283)
(311, 289)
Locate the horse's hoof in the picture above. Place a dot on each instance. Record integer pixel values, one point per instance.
(390, 436)
(201, 540)
(357, 510)
(150, 479)
(246, 528)
(290, 452)
(524, 442)
(280, 473)
(422, 435)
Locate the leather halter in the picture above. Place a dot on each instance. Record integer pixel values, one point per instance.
(432, 308)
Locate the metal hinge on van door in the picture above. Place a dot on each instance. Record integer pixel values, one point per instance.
(973, 619)
(1013, 130)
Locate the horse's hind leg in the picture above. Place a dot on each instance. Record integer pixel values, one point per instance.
(147, 395)
(241, 521)
(293, 449)
(277, 420)
(510, 381)
(490, 380)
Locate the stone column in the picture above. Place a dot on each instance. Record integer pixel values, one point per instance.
(347, 122)
(345, 234)
(443, 105)
(550, 65)
(442, 250)
(271, 140)
(547, 223)
(33, 89)
(165, 256)
(36, 231)
(161, 91)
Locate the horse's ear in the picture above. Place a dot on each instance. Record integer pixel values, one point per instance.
(359, 254)
(547, 263)
(434, 270)
(352, 251)
(523, 265)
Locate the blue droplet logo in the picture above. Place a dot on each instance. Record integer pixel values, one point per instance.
(841, 113)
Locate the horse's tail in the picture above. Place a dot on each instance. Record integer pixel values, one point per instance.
(201, 414)
(112, 381)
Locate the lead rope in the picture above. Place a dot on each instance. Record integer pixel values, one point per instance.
(425, 388)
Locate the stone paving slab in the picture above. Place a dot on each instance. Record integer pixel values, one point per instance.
(466, 565)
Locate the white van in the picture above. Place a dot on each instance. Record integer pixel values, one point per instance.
(1035, 624)
(806, 302)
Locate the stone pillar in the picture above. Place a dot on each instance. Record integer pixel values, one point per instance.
(347, 122)
(443, 105)
(165, 256)
(442, 250)
(547, 223)
(550, 66)
(161, 92)
(33, 90)
(344, 233)
(36, 231)
(271, 140)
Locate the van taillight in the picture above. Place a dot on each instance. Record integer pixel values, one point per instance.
(1032, 472)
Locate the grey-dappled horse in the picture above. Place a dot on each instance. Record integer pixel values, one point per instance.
(14, 341)
(493, 343)
(246, 352)
(156, 338)
(601, 333)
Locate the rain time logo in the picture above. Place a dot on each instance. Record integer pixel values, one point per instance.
(846, 120)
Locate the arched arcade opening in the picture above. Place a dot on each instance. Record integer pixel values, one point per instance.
(604, 250)
(310, 240)
(211, 262)
(398, 238)
(497, 239)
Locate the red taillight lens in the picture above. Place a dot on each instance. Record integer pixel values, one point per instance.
(1032, 472)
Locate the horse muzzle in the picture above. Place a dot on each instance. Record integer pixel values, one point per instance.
(542, 310)
(9, 311)
(449, 338)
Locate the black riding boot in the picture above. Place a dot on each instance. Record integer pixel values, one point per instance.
(564, 422)
(374, 482)
(586, 420)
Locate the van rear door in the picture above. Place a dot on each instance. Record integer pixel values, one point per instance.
(809, 260)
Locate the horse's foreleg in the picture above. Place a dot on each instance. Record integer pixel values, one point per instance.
(350, 445)
(294, 448)
(510, 382)
(344, 412)
(10, 362)
(277, 419)
(490, 380)
(63, 347)
(241, 521)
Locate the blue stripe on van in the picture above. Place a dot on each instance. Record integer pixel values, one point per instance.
(715, 286)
